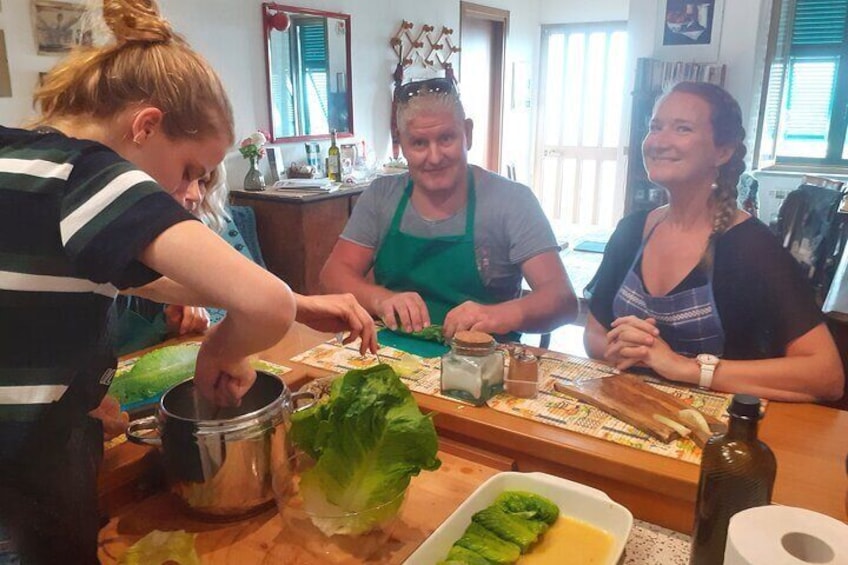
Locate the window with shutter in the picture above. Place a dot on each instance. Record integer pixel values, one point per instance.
(804, 118)
(311, 34)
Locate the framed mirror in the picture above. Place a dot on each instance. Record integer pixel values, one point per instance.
(308, 72)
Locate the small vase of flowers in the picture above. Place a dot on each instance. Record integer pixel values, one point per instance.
(252, 147)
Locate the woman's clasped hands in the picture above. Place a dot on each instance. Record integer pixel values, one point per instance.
(636, 342)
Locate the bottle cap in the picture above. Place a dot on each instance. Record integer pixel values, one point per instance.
(745, 406)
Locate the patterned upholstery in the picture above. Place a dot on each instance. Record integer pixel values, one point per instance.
(241, 233)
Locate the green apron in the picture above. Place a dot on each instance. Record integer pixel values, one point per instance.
(443, 270)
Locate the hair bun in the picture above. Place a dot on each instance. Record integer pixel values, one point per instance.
(136, 20)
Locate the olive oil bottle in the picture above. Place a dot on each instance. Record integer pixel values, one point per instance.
(737, 472)
(334, 159)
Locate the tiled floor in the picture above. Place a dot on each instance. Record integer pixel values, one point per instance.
(568, 339)
(581, 267)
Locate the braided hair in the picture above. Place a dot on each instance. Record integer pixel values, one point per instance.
(726, 119)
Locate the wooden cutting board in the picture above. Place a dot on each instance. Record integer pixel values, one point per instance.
(266, 538)
(630, 399)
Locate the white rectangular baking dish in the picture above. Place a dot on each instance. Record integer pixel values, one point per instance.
(574, 499)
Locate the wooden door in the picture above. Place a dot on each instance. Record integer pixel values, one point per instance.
(481, 76)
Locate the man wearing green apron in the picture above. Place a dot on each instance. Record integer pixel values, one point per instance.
(449, 243)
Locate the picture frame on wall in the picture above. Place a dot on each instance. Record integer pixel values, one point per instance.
(5, 77)
(689, 30)
(58, 26)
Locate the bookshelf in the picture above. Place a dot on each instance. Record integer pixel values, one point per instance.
(653, 77)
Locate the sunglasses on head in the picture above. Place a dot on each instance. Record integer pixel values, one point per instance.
(410, 90)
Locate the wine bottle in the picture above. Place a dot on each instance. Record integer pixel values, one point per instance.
(334, 159)
(737, 472)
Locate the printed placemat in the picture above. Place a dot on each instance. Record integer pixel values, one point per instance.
(558, 409)
(549, 407)
(420, 374)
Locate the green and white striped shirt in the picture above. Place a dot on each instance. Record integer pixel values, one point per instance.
(74, 216)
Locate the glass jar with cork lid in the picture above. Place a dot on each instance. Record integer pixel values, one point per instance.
(473, 369)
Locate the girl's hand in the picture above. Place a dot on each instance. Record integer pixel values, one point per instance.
(181, 320)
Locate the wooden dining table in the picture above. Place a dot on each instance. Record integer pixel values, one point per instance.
(268, 538)
(810, 443)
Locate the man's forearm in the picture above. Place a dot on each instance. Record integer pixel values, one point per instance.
(340, 280)
(546, 308)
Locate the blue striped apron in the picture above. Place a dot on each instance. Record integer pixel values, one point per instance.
(688, 320)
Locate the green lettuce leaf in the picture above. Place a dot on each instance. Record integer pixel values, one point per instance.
(368, 439)
(155, 372)
(162, 547)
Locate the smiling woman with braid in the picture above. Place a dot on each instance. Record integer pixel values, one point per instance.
(698, 291)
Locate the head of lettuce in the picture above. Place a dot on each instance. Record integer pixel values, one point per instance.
(368, 439)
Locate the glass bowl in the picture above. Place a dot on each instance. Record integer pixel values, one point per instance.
(334, 535)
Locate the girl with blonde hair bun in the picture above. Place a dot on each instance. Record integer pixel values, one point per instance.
(698, 291)
(90, 204)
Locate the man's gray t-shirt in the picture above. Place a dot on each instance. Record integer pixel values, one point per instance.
(509, 226)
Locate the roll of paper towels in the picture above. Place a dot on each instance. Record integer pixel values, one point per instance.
(784, 535)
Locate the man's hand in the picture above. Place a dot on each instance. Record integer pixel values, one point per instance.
(492, 319)
(336, 313)
(114, 421)
(407, 308)
(182, 320)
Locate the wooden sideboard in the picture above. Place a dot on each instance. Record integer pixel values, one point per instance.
(297, 229)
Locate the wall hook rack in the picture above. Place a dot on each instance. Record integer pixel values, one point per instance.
(427, 47)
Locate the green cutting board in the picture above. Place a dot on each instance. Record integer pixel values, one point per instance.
(415, 346)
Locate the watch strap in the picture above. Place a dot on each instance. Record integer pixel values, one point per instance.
(707, 372)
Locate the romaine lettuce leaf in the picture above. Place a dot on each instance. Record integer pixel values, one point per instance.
(155, 372)
(368, 439)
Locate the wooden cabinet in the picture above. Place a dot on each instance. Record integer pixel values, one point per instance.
(298, 230)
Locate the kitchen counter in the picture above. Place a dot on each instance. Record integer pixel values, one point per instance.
(431, 498)
(298, 195)
(810, 443)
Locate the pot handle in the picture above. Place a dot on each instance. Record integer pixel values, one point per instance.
(300, 395)
(141, 425)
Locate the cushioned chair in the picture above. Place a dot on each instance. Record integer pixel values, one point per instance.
(240, 232)
(811, 229)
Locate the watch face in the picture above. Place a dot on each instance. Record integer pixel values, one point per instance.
(707, 359)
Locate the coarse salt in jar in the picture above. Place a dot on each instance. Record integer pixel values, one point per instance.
(473, 369)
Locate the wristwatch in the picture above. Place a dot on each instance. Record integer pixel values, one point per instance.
(708, 365)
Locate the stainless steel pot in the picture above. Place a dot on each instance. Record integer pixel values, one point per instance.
(225, 463)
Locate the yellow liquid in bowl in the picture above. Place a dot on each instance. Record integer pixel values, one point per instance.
(570, 542)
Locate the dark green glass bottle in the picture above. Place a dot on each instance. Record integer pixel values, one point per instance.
(737, 472)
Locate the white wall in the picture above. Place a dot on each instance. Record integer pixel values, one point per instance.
(739, 47)
(24, 63)
(229, 34)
